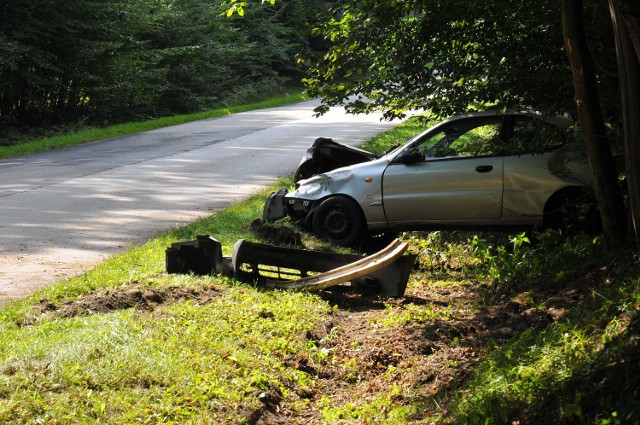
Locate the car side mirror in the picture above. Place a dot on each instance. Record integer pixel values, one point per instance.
(409, 157)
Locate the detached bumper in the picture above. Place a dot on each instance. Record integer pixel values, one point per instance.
(274, 209)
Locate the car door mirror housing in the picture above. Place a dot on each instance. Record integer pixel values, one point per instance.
(409, 157)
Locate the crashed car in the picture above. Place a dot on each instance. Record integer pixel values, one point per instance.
(473, 171)
(326, 155)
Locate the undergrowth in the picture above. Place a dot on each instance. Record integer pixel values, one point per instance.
(578, 370)
(575, 369)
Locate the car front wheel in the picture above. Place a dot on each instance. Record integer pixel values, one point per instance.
(339, 220)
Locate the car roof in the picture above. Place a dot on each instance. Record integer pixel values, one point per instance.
(562, 121)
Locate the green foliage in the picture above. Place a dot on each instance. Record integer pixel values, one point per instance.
(379, 410)
(186, 362)
(102, 62)
(573, 369)
(235, 6)
(401, 134)
(550, 256)
(428, 313)
(555, 368)
(444, 56)
(439, 252)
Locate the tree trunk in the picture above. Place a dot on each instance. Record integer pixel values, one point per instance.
(626, 30)
(630, 12)
(593, 130)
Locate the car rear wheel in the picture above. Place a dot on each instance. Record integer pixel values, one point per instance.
(339, 220)
(572, 211)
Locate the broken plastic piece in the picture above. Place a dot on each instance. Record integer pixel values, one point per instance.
(387, 270)
(363, 268)
(274, 208)
(202, 256)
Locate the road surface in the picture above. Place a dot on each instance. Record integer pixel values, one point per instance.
(62, 212)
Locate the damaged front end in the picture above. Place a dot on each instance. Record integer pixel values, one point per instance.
(327, 155)
(279, 205)
(308, 194)
(343, 171)
(298, 204)
(323, 155)
(275, 208)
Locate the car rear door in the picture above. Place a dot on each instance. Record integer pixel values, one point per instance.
(456, 176)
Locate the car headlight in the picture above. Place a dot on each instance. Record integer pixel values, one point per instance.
(310, 188)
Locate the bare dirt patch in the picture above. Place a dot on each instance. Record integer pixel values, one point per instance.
(139, 296)
(276, 234)
(427, 360)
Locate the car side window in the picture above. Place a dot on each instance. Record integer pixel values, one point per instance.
(531, 135)
(464, 138)
(435, 146)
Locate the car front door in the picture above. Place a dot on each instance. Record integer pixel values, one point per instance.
(454, 173)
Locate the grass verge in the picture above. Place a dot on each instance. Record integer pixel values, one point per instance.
(494, 328)
(92, 134)
(127, 343)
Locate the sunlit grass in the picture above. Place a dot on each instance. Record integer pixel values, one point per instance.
(548, 365)
(183, 362)
(400, 134)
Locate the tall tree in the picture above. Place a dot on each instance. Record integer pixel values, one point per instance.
(442, 55)
(625, 16)
(592, 123)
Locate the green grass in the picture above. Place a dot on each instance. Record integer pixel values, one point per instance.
(554, 374)
(399, 135)
(185, 362)
(92, 134)
(231, 349)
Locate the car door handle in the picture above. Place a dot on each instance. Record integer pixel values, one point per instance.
(484, 168)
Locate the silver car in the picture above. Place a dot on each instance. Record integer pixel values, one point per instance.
(480, 170)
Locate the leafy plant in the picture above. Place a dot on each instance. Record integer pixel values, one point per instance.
(550, 368)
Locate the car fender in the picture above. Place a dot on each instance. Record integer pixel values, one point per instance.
(361, 182)
(524, 195)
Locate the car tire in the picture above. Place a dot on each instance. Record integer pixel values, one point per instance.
(339, 220)
(571, 212)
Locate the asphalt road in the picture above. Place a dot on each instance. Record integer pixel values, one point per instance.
(62, 212)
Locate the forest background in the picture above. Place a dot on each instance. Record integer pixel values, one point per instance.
(65, 65)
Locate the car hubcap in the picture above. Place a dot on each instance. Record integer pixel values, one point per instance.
(337, 223)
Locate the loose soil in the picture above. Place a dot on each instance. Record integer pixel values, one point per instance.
(138, 296)
(429, 361)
